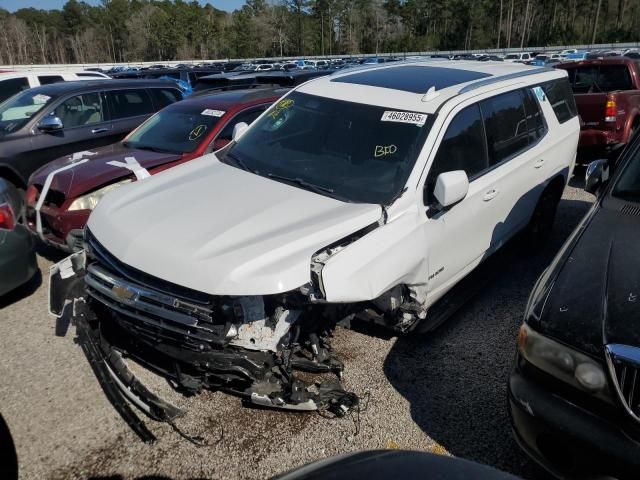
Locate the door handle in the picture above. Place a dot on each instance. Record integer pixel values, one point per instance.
(539, 163)
(99, 130)
(490, 195)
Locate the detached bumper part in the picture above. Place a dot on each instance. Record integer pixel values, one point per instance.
(192, 346)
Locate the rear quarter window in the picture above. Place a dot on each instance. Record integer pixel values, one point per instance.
(165, 96)
(129, 103)
(561, 99)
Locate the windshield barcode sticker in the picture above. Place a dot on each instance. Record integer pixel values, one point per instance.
(40, 98)
(212, 113)
(418, 119)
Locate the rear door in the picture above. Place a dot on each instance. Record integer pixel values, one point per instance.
(128, 109)
(515, 128)
(85, 126)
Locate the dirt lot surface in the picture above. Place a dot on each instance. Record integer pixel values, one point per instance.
(444, 393)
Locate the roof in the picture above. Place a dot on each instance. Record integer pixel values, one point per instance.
(404, 85)
(62, 88)
(412, 78)
(225, 99)
(619, 60)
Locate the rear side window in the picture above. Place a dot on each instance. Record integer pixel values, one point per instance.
(561, 99)
(599, 78)
(129, 103)
(462, 148)
(506, 125)
(164, 96)
(11, 86)
(48, 79)
(536, 127)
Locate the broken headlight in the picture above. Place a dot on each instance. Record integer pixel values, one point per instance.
(90, 200)
(563, 363)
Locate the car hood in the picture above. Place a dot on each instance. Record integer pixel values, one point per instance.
(95, 173)
(221, 230)
(595, 299)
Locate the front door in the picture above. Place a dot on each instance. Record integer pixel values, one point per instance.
(85, 127)
(458, 237)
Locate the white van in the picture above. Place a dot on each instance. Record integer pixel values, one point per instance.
(518, 57)
(15, 82)
(364, 195)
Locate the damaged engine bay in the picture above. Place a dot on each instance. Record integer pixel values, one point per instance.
(253, 347)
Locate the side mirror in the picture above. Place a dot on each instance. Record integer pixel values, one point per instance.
(50, 123)
(596, 176)
(239, 130)
(451, 187)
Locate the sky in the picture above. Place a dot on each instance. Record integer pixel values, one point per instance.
(13, 5)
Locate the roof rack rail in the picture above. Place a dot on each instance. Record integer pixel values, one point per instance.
(501, 78)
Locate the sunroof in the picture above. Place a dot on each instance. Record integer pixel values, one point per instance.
(412, 78)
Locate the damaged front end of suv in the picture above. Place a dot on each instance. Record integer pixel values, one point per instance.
(248, 346)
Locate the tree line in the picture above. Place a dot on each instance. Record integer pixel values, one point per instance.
(150, 30)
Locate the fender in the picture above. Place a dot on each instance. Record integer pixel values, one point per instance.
(392, 254)
(10, 173)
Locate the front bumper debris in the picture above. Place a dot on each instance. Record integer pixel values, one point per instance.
(117, 318)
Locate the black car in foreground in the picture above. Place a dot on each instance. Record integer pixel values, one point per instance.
(574, 393)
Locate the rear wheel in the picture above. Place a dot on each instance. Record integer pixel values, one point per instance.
(539, 229)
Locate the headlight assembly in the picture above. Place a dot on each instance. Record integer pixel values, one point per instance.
(563, 363)
(90, 200)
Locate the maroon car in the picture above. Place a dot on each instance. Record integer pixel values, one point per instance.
(185, 130)
(607, 94)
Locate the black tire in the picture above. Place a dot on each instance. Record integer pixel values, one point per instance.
(537, 233)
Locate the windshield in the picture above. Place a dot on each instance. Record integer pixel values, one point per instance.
(350, 151)
(599, 78)
(17, 110)
(178, 129)
(628, 185)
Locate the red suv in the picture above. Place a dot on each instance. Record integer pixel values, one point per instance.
(607, 94)
(73, 185)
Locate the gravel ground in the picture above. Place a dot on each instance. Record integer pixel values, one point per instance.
(444, 393)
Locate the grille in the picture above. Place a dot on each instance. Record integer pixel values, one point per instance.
(152, 314)
(630, 210)
(108, 261)
(624, 365)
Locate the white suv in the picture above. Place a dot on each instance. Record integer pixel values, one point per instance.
(363, 195)
(15, 82)
(518, 57)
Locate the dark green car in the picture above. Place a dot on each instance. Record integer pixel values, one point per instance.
(17, 246)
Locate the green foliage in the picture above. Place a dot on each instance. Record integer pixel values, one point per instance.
(148, 30)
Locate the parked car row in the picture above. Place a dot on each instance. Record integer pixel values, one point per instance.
(221, 242)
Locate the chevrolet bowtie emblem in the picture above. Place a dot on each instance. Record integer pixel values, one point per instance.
(123, 293)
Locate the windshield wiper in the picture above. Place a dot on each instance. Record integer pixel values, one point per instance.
(152, 149)
(303, 183)
(239, 162)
